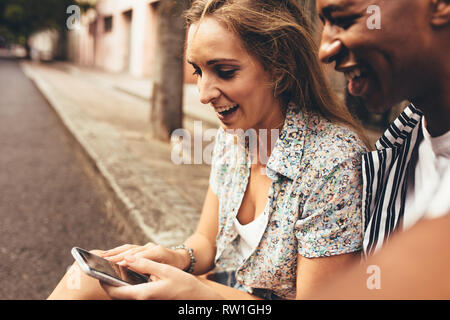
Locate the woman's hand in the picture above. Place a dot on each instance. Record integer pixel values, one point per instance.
(151, 251)
(171, 284)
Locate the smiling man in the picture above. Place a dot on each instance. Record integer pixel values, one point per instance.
(386, 65)
(407, 179)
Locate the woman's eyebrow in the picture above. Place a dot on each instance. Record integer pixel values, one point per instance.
(214, 61)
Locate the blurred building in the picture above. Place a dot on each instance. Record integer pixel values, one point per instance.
(118, 36)
(43, 45)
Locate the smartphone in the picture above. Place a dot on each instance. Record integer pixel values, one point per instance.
(106, 271)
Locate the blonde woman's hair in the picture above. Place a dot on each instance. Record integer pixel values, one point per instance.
(279, 35)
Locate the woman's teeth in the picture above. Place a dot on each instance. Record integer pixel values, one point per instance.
(225, 109)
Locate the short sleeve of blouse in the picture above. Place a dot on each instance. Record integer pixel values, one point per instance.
(331, 222)
(217, 169)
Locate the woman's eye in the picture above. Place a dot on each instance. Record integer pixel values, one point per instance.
(197, 71)
(226, 73)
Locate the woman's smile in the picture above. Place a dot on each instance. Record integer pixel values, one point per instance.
(226, 114)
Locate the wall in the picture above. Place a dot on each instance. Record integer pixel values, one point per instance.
(130, 44)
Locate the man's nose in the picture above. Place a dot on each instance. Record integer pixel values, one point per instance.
(329, 49)
(208, 90)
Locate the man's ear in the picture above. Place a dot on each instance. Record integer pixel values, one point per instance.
(440, 13)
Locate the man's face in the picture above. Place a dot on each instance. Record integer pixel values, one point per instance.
(381, 65)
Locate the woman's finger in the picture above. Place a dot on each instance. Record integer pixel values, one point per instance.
(145, 266)
(130, 252)
(118, 250)
(117, 254)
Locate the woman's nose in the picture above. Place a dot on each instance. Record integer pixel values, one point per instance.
(208, 90)
(329, 49)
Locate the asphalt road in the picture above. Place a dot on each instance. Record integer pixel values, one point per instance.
(48, 204)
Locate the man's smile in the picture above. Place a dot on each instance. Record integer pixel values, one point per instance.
(357, 76)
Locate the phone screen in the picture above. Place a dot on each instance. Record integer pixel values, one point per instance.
(112, 269)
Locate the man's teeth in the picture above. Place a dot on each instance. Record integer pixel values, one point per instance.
(222, 109)
(350, 75)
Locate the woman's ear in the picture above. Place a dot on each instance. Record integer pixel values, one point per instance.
(440, 13)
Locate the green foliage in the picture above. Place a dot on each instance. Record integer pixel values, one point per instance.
(20, 18)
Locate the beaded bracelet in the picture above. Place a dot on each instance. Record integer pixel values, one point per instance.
(192, 261)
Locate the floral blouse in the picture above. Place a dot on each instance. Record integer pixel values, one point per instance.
(314, 202)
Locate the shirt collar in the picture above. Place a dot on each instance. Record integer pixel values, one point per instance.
(400, 129)
(286, 156)
(440, 145)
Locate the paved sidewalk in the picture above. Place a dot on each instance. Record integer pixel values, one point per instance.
(153, 199)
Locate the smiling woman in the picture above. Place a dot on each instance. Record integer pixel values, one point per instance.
(274, 229)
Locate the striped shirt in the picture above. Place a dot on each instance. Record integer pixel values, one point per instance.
(385, 177)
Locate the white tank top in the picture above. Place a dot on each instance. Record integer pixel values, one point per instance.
(250, 234)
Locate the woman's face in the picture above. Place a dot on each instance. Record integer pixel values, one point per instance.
(234, 83)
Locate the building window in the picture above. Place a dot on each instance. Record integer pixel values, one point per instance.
(128, 15)
(108, 23)
(93, 28)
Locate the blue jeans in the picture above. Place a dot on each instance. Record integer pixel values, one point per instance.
(228, 278)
